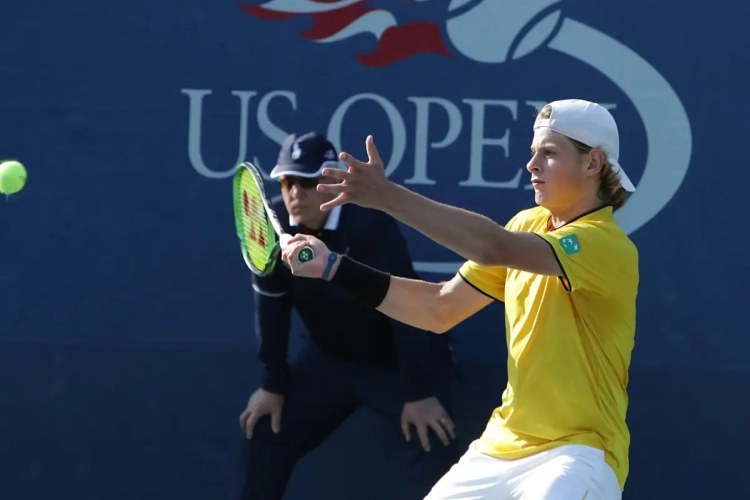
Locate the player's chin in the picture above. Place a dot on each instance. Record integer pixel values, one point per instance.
(545, 200)
(539, 197)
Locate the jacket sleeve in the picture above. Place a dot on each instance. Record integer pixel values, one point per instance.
(413, 346)
(273, 312)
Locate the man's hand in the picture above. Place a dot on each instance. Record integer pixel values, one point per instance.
(424, 414)
(262, 403)
(309, 269)
(364, 184)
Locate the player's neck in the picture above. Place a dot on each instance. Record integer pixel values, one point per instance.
(564, 215)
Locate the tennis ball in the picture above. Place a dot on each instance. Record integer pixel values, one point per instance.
(12, 177)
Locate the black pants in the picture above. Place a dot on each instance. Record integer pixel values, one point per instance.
(323, 393)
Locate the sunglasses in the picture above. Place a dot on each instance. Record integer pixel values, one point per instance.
(303, 182)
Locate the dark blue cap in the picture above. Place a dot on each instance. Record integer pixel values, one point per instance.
(305, 155)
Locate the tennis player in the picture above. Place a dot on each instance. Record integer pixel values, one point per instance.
(356, 358)
(568, 276)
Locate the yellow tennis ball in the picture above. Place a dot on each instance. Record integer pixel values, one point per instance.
(12, 177)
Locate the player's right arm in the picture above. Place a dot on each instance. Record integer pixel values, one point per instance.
(436, 307)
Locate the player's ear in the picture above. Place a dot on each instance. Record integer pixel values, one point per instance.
(596, 161)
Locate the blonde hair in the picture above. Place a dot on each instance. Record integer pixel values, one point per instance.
(611, 191)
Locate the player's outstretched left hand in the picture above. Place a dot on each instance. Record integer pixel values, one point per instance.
(364, 184)
(311, 268)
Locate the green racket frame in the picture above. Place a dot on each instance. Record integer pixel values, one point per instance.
(304, 255)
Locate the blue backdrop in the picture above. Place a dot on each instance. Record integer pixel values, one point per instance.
(126, 342)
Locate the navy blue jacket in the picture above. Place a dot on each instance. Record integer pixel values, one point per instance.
(339, 324)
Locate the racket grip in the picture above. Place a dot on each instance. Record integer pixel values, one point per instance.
(305, 254)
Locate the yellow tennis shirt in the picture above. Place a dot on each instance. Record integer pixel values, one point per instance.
(569, 341)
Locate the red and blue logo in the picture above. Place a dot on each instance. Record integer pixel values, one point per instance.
(337, 20)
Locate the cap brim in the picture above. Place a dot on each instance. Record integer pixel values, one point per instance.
(625, 181)
(299, 170)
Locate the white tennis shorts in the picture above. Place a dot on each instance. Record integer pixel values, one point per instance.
(570, 472)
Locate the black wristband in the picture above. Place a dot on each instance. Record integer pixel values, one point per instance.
(363, 282)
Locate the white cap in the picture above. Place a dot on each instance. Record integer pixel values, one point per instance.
(591, 124)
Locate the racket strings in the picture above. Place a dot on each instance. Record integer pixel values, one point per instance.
(255, 230)
(256, 227)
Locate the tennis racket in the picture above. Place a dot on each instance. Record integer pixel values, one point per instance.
(258, 227)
